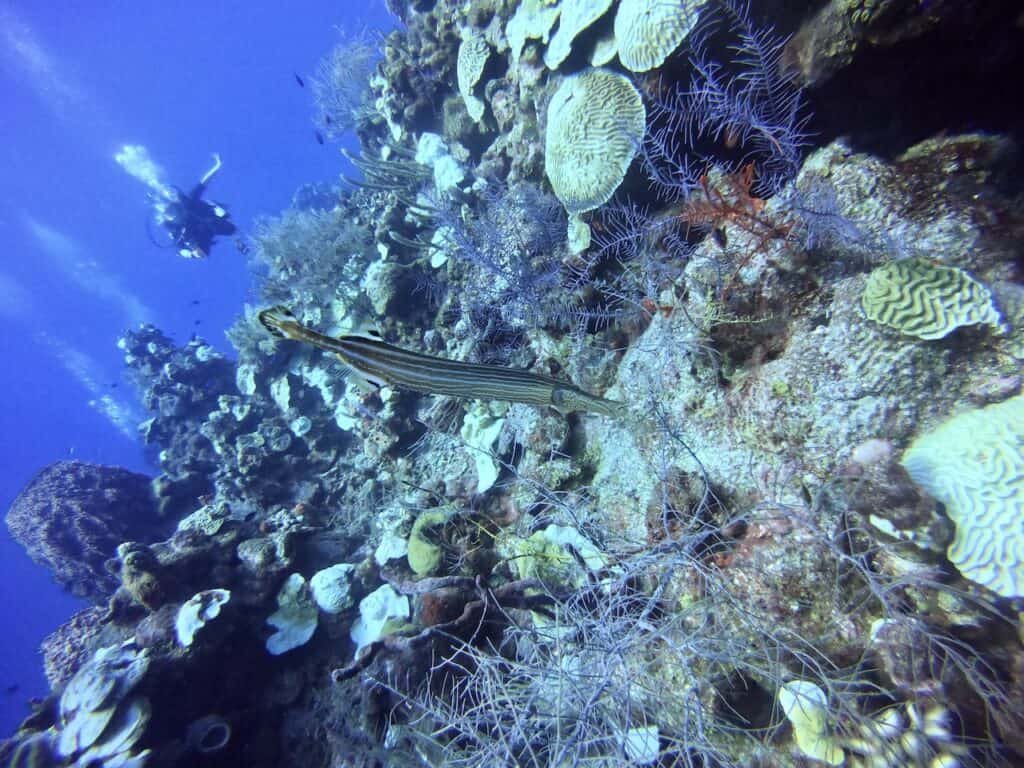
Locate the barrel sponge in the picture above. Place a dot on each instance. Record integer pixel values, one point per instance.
(648, 31)
(473, 54)
(926, 300)
(576, 16)
(974, 464)
(596, 121)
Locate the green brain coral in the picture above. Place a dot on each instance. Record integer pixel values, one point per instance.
(974, 464)
(596, 120)
(647, 32)
(926, 300)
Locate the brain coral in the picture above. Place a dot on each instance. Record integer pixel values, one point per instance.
(647, 32)
(974, 464)
(926, 300)
(473, 55)
(596, 120)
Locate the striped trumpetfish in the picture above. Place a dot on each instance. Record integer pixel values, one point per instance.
(382, 364)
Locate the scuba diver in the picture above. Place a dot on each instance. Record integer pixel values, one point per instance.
(192, 222)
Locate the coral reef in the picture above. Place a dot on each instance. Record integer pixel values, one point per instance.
(180, 386)
(798, 540)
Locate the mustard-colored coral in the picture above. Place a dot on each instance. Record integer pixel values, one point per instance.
(974, 465)
(926, 300)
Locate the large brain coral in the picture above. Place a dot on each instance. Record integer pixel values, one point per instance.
(974, 464)
(596, 120)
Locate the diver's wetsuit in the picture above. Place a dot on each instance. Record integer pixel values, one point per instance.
(194, 223)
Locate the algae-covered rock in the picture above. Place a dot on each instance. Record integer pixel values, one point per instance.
(143, 577)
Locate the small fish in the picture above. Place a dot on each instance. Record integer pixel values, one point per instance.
(377, 364)
(328, 120)
(319, 137)
(299, 80)
(718, 234)
(194, 302)
(13, 688)
(197, 322)
(113, 385)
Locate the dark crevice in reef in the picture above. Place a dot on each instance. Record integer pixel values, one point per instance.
(956, 78)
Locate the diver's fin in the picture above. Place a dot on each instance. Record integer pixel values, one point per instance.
(210, 173)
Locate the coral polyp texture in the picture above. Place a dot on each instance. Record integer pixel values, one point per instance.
(919, 298)
(647, 33)
(974, 464)
(595, 123)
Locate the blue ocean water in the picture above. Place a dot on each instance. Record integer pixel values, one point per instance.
(77, 82)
